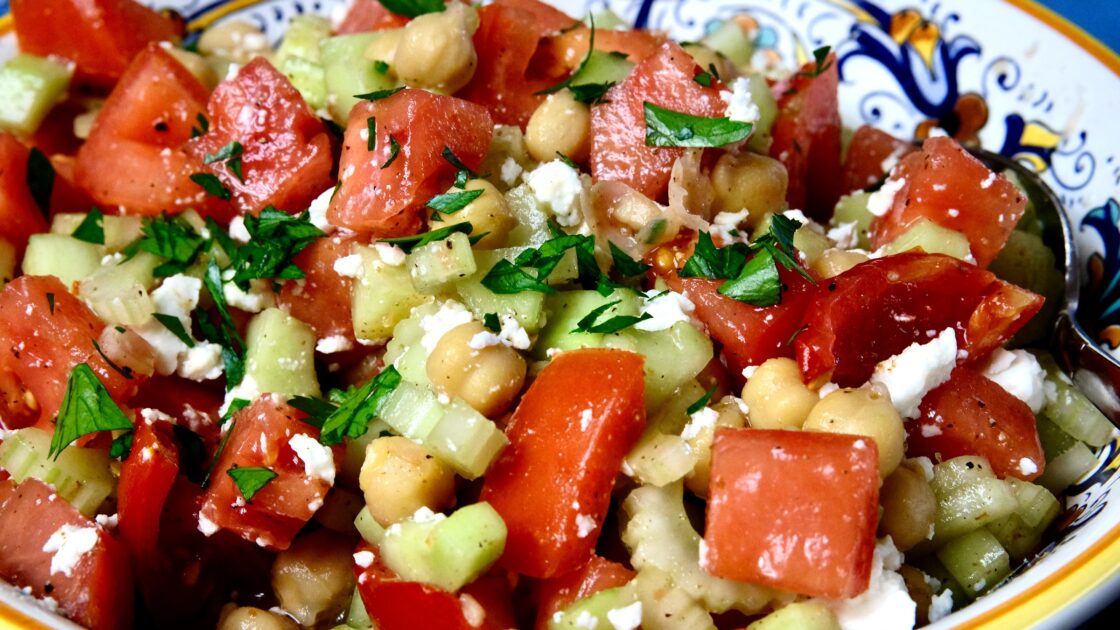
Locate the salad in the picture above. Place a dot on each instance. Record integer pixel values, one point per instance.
(450, 316)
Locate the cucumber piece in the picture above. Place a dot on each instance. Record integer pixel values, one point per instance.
(280, 355)
(466, 440)
(79, 475)
(118, 293)
(798, 616)
(309, 78)
(959, 471)
(673, 356)
(347, 72)
(853, 208)
(660, 459)
(595, 610)
(932, 239)
(531, 220)
(1020, 533)
(732, 42)
(1070, 409)
(370, 530)
(976, 560)
(1054, 440)
(603, 67)
(64, 257)
(448, 552)
(1027, 262)
(435, 265)
(412, 411)
(767, 105)
(405, 352)
(298, 57)
(564, 311)
(382, 295)
(1068, 468)
(667, 606)
(7, 262)
(971, 506)
(31, 86)
(357, 616)
(120, 230)
(526, 307)
(810, 243)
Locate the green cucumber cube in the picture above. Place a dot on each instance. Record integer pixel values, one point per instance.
(466, 440)
(63, 257)
(382, 295)
(435, 265)
(280, 355)
(31, 87)
(976, 560)
(347, 72)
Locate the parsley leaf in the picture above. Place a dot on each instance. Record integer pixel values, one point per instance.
(173, 324)
(203, 126)
(231, 155)
(491, 322)
(591, 92)
(212, 185)
(703, 78)
(701, 402)
(171, 238)
(352, 417)
(408, 243)
(218, 454)
(121, 446)
(820, 57)
(394, 151)
(276, 238)
(614, 324)
(377, 95)
(506, 278)
(796, 334)
(50, 302)
(666, 128)
(371, 133)
(40, 180)
(91, 229)
(708, 261)
(413, 8)
(235, 405)
(380, 67)
(627, 266)
(225, 334)
(462, 171)
(250, 479)
(758, 283)
(316, 409)
(567, 160)
(450, 203)
(86, 408)
(123, 371)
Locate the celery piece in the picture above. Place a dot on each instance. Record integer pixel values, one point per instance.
(767, 105)
(118, 291)
(120, 230)
(298, 57)
(976, 560)
(31, 87)
(381, 296)
(437, 264)
(7, 262)
(348, 72)
(602, 67)
(660, 459)
(971, 506)
(732, 42)
(666, 605)
(673, 357)
(798, 616)
(466, 440)
(1021, 532)
(564, 311)
(1071, 410)
(959, 471)
(932, 239)
(357, 616)
(412, 411)
(280, 355)
(1027, 262)
(853, 208)
(404, 350)
(1054, 440)
(592, 611)
(370, 530)
(1068, 468)
(64, 257)
(79, 475)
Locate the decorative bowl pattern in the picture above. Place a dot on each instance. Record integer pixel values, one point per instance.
(1011, 75)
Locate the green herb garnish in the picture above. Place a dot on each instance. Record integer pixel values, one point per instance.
(173, 324)
(86, 408)
(40, 180)
(821, 63)
(394, 151)
(231, 155)
(250, 479)
(276, 238)
(450, 203)
(203, 126)
(377, 95)
(587, 323)
(352, 416)
(627, 266)
(491, 322)
(212, 185)
(666, 128)
(409, 243)
(371, 133)
(703, 78)
(121, 446)
(50, 302)
(701, 402)
(413, 8)
(91, 229)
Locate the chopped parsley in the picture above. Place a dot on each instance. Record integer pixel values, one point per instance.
(567, 160)
(701, 402)
(371, 133)
(758, 283)
(450, 203)
(86, 408)
(462, 171)
(394, 151)
(514, 277)
(627, 266)
(50, 302)
(377, 95)
(409, 243)
(587, 323)
(91, 229)
(212, 185)
(225, 332)
(380, 67)
(355, 409)
(821, 63)
(589, 93)
(667, 128)
(123, 371)
(173, 324)
(231, 155)
(40, 180)
(250, 479)
(276, 238)
(121, 446)
(703, 78)
(491, 322)
(203, 126)
(171, 238)
(413, 8)
(218, 453)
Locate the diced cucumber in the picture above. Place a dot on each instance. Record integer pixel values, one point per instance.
(853, 208)
(64, 257)
(767, 113)
(666, 605)
(120, 230)
(435, 265)
(7, 261)
(1021, 532)
(566, 308)
(405, 352)
(298, 57)
(603, 67)
(280, 355)
(31, 87)
(355, 453)
(466, 440)
(976, 560)
(798, 616)
(412, 411)
(810, 243)
(732, 42)
(1070, 409)
(532, 221)
(446, 552)
(971, 506)
(527, 307)
(118, 293)
(357, 616)
(371, 531)
(79, 475)
(932, 239)
(1054, 440)
(591, 611)
(347, 72)
(958, 471)
(382, 295)
(1027, 262)
(1068, 468)
(309, 78)
(673, 356)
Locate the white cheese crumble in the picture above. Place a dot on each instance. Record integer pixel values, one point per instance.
(203, 362)
(1020, 373)
(1027, 466)
(318, 460)
(238, 231)
(940, 606)
(988, 181)
(881, 201)
(627, 617)
(912, 373)
(511, 170)
(389, 254)
(363, 558)
(473, 611)
(558, 188)
(886, 604)
(698, 422)
(450, 315)
(664, 309)
(108, 521)
(511, 334)
(585, 524)
(69, 544)
(740, 104)
(827, 389)
(318, 210)
(586, 417)
(206, 526)
(348, 266)
(247, 389)
(586, 621)
(333, 344)
(177, 296)
(845, 235)
(256, 299)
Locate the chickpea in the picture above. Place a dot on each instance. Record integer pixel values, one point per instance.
(384, 47)
(561, 124)
(249, 618)
(777, 397)
(909, 508)
(314, 578)
(864, 411)
(833, 262)
(399, 477)
(436, 51)
(486, 378)
(236, 40)
(488, 214)
(730, 415)
(749, 181)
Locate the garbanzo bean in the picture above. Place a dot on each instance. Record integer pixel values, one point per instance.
(909, 508)
(314, 578)
(749, 181)
(384, 47)
(249, 618)
(777, 397)
(488, 214)
(864, 411)
(486, 377)
(399, 477)
(436, 51)
(560, 124)
(236, 40)
(833, 262)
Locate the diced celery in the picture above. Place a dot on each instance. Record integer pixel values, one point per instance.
(404, 350)
(1027, 262)
(532, 221)
(932, 239)
(660, 459)
(120, 230)
(348, 72)
(382, 295)
(79, 475)
(298, 57)
(31, 87)
(446, 552)
(798, 616)
(767, 106)
(357, 616)
(666, 605)
(64, 257)
(976, 560)
(371, 531)
(566, 308)
(1054, 440)
(732, 42)
(7, 262)
(466, 440)
(118, 293)
(1071, 410)
(971, 506)
(673, 357)
(853, 208)
(340, 508)
(591, 611)
(958, 471)
(412, 411)
(435, 265)
(280, 354)
(1068, 468)
(1021, 532)
(603, 67)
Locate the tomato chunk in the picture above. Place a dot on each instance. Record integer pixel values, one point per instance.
(388, 200)
(286, 158)
(322, 299)
(20, 217)
(878, 308)
(192, 404)
(618, 128)
(945, 184)
(972, 415)
(395, 604)
(100, 36)
(555, 594)
(576, 422)
(871, 154)
(146, 478)
(263, 435)
(96, 591)
(793, 510)
(807, 138)
(369, 15)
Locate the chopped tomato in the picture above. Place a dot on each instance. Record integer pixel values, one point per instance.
(807, 138)
(774, 517)
(568, 49)
(146, 477)
(20, 217)
(388, 200)
(66, 196)
(508, 36)
(618, 128)
(40, 347)
(193, 405)
(878, 308)
(555, 594)
(96, 591)
(369, 15)
(494, 594)
(871, 155)
(100, 36)
(132, 157)
(395, 604)
(55, 135)
(575, 423)
(972, 415)
(17, 409)
(945, 184)
(262, 435)
(322, 299)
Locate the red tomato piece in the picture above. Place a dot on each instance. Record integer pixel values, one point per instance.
(286, 155)
(262, 436)
(20, 217)
(618, 128)
(147, 476)
(876, 309)
(369, 15)
(41, 348)
(576, 422)
(395, 604)
(869, 151)
(505, 80)
(66, 196)
(97, 591)
(494, 594)
(132, 157)
(807, 138)
(568, 49)
(972, 415)
(945, 184)
(555, 594)
(100, 36)
(194, 405)
(322, 299)
(793, 510)
(388, 201)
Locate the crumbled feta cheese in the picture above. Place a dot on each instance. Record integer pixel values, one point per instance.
(930, 430)
(665, 308)
(484, 339)
(363, 558)
(912, 373)
(1020, 373)
(827, 389)
(881, 201)
(730, 220)
(473, 611)
(247, 389)
(108, 521)
(586, 621)
(937, 132)
(740, 104)
(155, 415)
(558, 188)
(800, 217)
(988, 181)
(349, 266)
(584, 525)
(389, 254)
(940, 606)
(1027, 466)
(699, 421)
(68, 544)
(231, 71)
(256, 299)
(238, 231)
(511, 170)
(845, 235)
(318, 210)
(886, 604)
(333, 344)
(627, 617)
(891, 160)
(176, 296)
(749, 371)
(203, 362)
(318, 460)
(450, 315)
